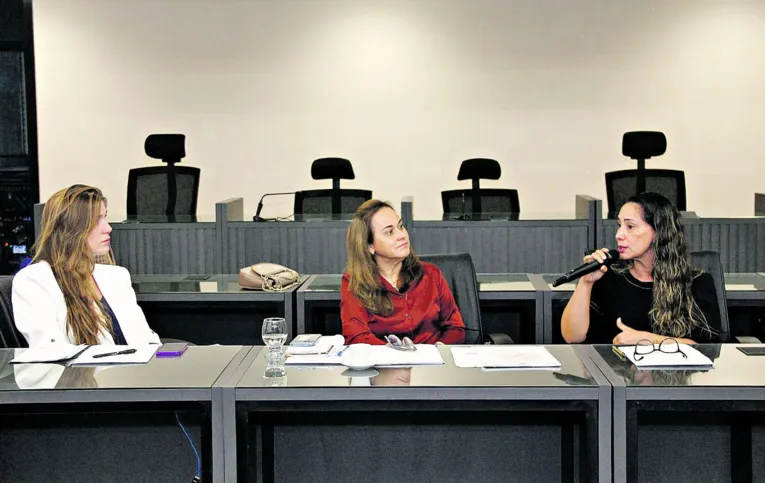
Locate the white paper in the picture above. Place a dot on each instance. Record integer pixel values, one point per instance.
(142, 355)
(325, 344)
(315, 359)
(48, 353)
(664, 359)
(504, 356)
(387, 356)
(379, 355)
(466, 356)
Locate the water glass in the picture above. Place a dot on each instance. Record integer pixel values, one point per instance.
(274, 335)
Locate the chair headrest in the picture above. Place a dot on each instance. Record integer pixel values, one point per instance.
(479, 168)
(332, 168)
(167, 147)
(644, 144)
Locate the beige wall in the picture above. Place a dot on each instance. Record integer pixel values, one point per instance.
(406, 89)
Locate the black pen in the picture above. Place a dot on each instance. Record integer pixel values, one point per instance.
(125, 352)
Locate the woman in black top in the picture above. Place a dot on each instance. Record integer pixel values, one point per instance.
(652, 293)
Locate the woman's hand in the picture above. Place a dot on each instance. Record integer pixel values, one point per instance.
(601, 256)
(630, 336)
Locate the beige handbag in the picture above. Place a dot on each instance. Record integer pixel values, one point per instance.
(270, 277)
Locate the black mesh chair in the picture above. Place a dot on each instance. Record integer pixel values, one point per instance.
(459, 272)
(330, 201)
(163, 190)
(709, 261)
(10, 337)
(621, 185)
(478, 200)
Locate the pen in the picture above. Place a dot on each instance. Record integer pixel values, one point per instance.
(340, 352)
(619, 353)
(118, 353)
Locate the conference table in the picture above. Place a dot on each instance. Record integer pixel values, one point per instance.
(594, 417)
(209, 309)
(692, 424)
(114, 423)
(423, 423)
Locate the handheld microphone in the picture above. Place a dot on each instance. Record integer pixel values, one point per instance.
(260, 204)
(611, 257)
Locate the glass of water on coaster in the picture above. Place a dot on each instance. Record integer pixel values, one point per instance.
(274, 336)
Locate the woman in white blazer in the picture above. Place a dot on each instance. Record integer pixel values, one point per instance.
(64, 296)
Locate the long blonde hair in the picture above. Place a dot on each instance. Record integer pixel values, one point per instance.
(364, 275)
(674, 311)
(69, 217)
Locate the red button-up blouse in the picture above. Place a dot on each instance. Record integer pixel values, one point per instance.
(425, 312)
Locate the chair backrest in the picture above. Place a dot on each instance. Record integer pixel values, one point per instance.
(10, 337)
(330, 201)
(148, 193)
(480, 201)
(621, 185)
(709, 261)
(459, 272)
(476, 169)
(332, 168)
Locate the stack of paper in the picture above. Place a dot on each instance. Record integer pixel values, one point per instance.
(387, 356)
(504, 356)
(661, 359)
(49, 353)
(380, 355)
(142, 355)
(325, 345)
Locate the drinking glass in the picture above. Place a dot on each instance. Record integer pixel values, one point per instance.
(274, 335)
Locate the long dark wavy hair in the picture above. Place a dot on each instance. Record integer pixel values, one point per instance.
(362, 268)
(674, 312)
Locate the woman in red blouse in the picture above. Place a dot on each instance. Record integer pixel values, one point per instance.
(388, 290)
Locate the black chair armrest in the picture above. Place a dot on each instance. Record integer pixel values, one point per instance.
(746, 339)
(498, 338)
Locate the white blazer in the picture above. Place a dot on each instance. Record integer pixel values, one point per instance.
(40, 310)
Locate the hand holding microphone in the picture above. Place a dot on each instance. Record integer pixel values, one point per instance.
(595, 265)
(600, 256)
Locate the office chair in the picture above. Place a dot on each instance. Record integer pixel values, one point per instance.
(621, 185)
(163, 190)
(709, 261)
(478, 200)
(459, 272)
(10, 337)
(335, 200)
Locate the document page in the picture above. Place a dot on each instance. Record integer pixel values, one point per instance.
(504, 356)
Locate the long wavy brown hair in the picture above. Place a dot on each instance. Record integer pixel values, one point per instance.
(674, 312)
(364, 275)
(69, 216)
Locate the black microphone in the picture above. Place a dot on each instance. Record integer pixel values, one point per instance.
(611, 257)
(260, 205)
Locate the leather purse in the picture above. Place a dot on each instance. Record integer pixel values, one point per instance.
(270, 277)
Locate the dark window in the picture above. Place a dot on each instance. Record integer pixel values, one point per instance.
(13, 109)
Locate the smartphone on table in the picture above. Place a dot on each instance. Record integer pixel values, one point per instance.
(173, 349)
